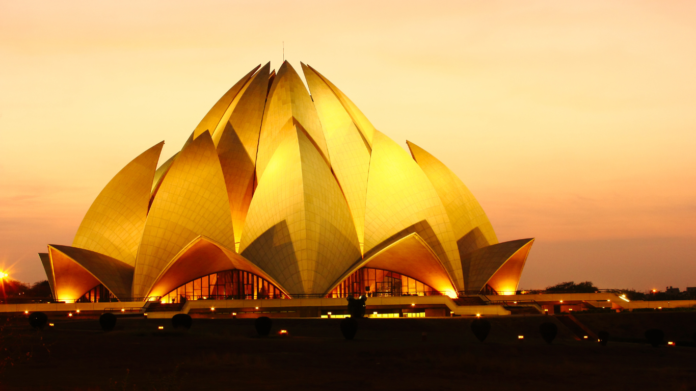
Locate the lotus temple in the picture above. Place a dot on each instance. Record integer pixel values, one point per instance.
(289, 201)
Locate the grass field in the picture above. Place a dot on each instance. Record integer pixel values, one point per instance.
(387, 354)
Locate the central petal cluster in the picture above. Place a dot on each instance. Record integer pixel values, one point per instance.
(300, 190)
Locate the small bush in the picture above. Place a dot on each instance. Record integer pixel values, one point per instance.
(548, 331)
(107, 321)
(263, 325)
(38, 320)
(655, 337)
(356, 307)
(183, 321)
(603, 337)
(481, 328)
(349, 327)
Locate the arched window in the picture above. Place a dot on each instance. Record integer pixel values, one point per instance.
(381, 283)
(227, 285)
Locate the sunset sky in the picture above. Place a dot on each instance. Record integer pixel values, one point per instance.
(573, 122)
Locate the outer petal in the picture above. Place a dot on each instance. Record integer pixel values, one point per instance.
(212, 119)
(471, 226)
(288, 104)
(363, 124)
(48, 268)
(161, 173)
(409, 256)
(77, 270)
(350, 154)
(237, 144)
(191, 201)
(401, 200)
(299, 228)
(114, 223)
(499, 266)
(187, 265)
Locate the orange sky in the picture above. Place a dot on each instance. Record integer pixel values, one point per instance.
(572, 122)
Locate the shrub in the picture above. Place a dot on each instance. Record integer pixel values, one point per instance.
(107, 321)
(548, 331)
(263, 325)
(655, 337)
(356, 307)
(38, 320)
(603, 337)
(481, 328)
(349, 327)
(183, 321)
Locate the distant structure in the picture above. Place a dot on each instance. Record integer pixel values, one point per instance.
(281, 195)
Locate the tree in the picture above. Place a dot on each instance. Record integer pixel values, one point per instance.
(572, 287)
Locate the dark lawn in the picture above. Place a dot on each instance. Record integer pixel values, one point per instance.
(388, 354)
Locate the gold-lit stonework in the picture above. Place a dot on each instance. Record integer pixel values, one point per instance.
(507, 277)
(299, 228)
(191, 201)
(400, 198)
(211, 120)
(288, 104)
(358, 117)
(114, 223)
(187, 266)
(46, 262)
(469, 222)
(410, 256)
(350, 154)
(237, 144)
(115, 275)
(71, 280)
(161, 172)
(297, 194)
(482, 266)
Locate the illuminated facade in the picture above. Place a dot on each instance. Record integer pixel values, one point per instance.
(281, 194)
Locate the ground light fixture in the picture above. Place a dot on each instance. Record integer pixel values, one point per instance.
(212, 308)
(51, 325)
(670, 343)
(520, 337)
(584, 337)
(160, 327)
(70, 314)
(78, 311)
(26, 312)
(123, 310)
(283, 333)
(478, 315)
(257, 308)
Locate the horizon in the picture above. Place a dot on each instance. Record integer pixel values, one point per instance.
(568, 124)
